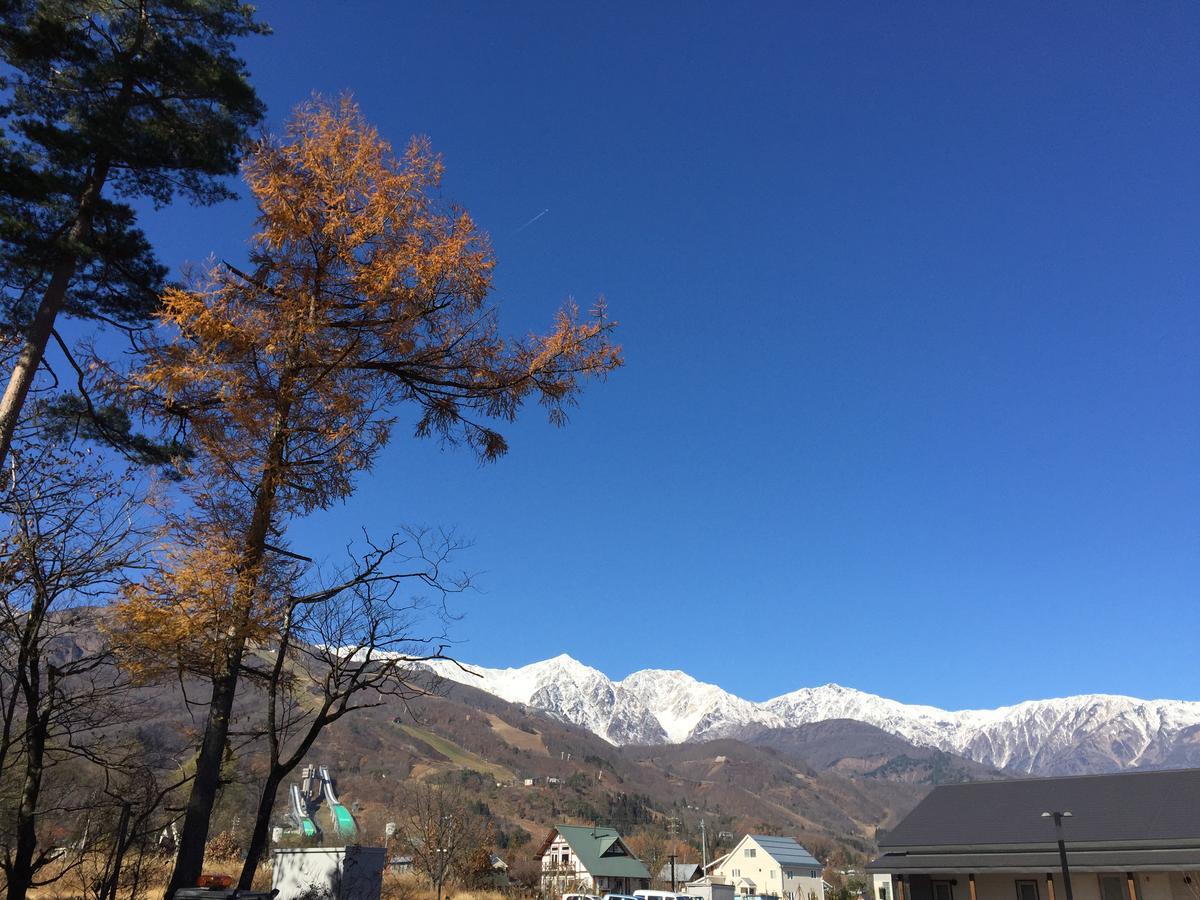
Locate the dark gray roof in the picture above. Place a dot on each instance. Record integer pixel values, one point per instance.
(683, 872)
(785, 851)
(1140, 807)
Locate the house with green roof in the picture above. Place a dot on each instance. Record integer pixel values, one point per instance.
(589, 859)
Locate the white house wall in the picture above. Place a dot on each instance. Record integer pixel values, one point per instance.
(557, 874)
(770, 879)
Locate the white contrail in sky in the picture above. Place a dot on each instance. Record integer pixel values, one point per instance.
(531, 221)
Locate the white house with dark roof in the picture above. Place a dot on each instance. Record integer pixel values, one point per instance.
(770, 866)
(1130, 836)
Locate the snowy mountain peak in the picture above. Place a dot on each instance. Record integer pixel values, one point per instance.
(1067, 735)
(691, 710)
(569, 690)
(566, 661)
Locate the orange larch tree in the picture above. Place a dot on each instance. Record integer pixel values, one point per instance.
(365, 294)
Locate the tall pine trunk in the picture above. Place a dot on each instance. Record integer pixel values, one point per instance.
(38, 337)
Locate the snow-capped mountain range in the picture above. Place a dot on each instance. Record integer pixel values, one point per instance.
(1088, 733)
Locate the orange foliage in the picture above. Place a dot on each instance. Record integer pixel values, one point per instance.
(184, 615)
(365, 294)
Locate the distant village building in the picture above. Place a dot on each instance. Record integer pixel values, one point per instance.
(684, 872)
(769, 866)
(589, 859)
(499, 871)
(1130, 836)
(710, 887)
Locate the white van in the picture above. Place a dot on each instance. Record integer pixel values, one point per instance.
(660, 895)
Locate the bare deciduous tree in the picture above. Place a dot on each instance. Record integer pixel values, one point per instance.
(71, 536)
(348, 646)
(439, 831)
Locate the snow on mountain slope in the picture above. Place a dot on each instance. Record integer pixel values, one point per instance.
(690, 710)
(925, 725)
(1069, 735)
(1090, 733)
(1076, 735)
(570, 691)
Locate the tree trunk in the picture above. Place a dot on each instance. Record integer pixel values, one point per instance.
(261, 835)
(34, 348)
(193, 836)
(20, 872)
(266, 801)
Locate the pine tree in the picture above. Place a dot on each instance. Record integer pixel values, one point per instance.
(105, 101)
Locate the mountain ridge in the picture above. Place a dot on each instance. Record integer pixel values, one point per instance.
(1054, 736)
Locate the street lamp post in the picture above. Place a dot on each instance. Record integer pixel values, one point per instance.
(1062, 847)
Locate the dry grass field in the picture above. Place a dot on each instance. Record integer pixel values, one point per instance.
(78, 883)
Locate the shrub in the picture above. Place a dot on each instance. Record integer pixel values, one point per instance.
(222, 846)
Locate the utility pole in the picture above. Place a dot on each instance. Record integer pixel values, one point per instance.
(674, 832)
(1062, 847)
(703, 849)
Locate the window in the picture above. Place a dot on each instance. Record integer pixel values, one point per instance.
(942, 890)
(751, 853)
(1027, 889)
(771, 874)
(789, 874)
(1112, 887)
(737, 873)
(812, 874)
(882, 892)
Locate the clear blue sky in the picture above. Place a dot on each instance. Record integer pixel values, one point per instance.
(909, 301)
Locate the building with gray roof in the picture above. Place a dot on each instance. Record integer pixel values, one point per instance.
(1128, 836)
(767, 865)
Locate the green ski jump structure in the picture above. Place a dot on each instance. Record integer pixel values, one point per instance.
(299, 814)
(342, 824)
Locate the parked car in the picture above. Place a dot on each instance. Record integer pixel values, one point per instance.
(580, 897)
